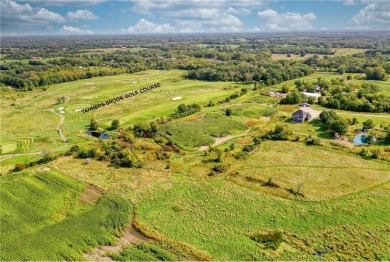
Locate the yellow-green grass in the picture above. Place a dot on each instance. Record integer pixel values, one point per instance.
(338, 52)
(43, 217)
(294, 57)
(252, 110)
(16, 145)
(324, 173)
(347, 51)
(200, 132)
(218, 217)
(384, 86)
(31, 108)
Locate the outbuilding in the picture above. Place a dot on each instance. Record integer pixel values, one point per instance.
(301, 116)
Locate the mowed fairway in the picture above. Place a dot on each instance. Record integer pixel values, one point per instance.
(48, 216)
(39, 124)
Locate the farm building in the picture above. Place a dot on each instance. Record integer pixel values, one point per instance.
(304, 105)
(301, 116)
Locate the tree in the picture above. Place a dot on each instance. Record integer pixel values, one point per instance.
(228, 112)
(115, 124)
(368, 124)
(338, 126)
(376, 73)
(285, 89)
(93, 125)
(181, 108)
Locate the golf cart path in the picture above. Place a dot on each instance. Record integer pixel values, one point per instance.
(59, 125)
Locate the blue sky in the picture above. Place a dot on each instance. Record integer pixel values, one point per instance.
(79, 17)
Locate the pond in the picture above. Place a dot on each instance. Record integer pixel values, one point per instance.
(97, 134)
(360, 140)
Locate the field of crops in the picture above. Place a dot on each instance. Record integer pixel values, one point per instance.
(43, 217)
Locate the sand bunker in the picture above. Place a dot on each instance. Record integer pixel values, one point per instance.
(78, 110)
(133, 82)
(62, 112)
(90, 83)
(61, 108)
(176, 98)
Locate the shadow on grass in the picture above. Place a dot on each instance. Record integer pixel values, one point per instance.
(320, 128)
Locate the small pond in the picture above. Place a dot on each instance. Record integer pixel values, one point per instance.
(360, 140)
(97, 134)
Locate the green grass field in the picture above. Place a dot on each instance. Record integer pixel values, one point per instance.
(43, 217)
(200, 132)
(342, 214)
(323, 172)
(218, 217)
(40, 124)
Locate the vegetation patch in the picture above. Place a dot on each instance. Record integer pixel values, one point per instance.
(190, 134)
(270, 240)
(42, 217)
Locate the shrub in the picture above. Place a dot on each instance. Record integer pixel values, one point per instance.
(219, 168)
(228, 112)
(18, 167)
(270, 240)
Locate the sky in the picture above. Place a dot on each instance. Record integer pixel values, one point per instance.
(88, 17)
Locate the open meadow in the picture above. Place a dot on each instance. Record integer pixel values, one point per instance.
(217, 196)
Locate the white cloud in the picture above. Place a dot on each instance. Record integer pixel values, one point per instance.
(372, 16)
(76, 30)
(355, 2)
(11, 7)
(199, 15)
(81, 15)
(46, 15)
(16, 16)
(286, 21)
(238, 11)
(66, 2)
(146, 27)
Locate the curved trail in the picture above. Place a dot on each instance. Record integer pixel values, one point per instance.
(221, 140)
(59, 125)
(8, 156)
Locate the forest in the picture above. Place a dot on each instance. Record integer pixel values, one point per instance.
(38, 62)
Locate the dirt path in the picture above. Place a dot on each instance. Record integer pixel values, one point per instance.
(130, 237)
(59, 125)
(221, 140)
(91, 195)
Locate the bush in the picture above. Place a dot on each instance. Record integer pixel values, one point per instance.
(228, 112)
(312, 141)
(270, 240)
(115, 124)
(219, 168)
(281, 132)
(19, 167)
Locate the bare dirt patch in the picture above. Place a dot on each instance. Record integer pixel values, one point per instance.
(130, 237)
(91, 195)
(221, 140)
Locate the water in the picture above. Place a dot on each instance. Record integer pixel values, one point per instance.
(360, 140)
(98, 134)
